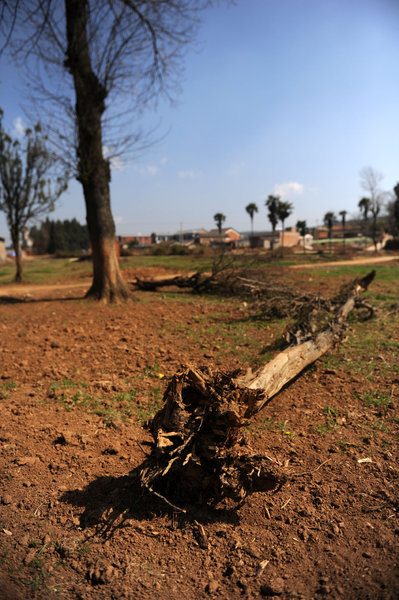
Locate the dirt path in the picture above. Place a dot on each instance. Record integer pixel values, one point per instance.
(372, 260)
(27, 289)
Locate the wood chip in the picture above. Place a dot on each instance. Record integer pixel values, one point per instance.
(6, 532)
(261, 567)
(202, 537)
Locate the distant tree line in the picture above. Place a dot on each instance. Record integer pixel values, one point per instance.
(60, 237)
(374, 220)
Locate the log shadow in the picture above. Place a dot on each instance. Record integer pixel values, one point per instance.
(110, 503)
(11, 300)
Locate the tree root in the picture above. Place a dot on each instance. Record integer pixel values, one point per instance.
(200, 453)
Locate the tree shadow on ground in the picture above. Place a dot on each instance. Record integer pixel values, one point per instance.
(110, 503)
(14, 300)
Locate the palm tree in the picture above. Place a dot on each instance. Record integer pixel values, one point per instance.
(343, 214)
(251, 210)
(219, 218)
(303, 229)
(271, 203)
(328, 220)
(284, 209)
(364, 205)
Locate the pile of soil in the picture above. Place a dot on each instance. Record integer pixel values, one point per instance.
(77, 382)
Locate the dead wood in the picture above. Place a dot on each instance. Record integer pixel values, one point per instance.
(200, 452)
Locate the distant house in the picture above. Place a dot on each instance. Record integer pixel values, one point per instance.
(352, 229)
(2, 249)
(266, 239)
(187, 236)
(157, 237)
(270, 240)
(137, 240)
(227, 237)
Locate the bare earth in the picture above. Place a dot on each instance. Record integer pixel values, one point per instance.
(78, 380)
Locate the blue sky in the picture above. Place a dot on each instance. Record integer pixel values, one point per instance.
(281, 96)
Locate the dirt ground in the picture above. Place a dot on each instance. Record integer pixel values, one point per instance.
(77, 383)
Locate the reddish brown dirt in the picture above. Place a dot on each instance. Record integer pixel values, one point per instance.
(73, 524)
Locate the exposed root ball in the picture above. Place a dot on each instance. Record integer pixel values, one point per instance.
(201, 453)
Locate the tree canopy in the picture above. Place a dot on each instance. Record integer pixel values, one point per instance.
(271, 203)
(284, 209)
(302, 227)
(60, 237)
(30, 184)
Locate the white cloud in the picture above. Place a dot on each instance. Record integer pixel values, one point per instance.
(116, 161)
(118, 220)
(164, 160)
(152, 169)
(19, 127)
(236, 167)
(289, 188)
(148, 170)
(188, 174)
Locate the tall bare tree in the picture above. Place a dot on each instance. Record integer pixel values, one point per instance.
(29, 184)
(96, 61)
(370, 181)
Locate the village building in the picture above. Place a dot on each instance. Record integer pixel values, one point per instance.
(188, 236)
(126, 241)
(3, 254)
(352, 229)
(270, 240)
(227, 237)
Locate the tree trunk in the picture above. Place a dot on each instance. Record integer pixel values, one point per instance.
(93, 169)
(108, 284)
(18, 256)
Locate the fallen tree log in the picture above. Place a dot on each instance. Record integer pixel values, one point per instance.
(194, 282)
(200, 452)
(222, 281)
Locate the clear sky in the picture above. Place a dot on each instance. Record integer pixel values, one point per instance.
(281, 96)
